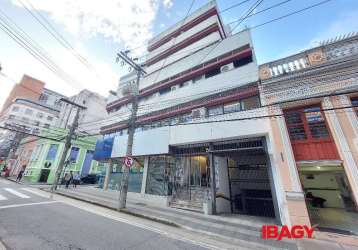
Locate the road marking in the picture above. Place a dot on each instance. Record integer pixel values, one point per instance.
(14, 192)
(37, 192)
(2, 198)
(29, 204)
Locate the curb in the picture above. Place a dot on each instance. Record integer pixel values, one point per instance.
(126, 211)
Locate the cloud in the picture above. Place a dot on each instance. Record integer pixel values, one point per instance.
(346, 23)
(127, 22)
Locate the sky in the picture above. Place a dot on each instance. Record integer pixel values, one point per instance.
(97, 30)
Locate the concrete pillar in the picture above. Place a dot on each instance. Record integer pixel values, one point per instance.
(290, 197)
(145, 173)
(344, 135)
(212, 180)
(108, 175)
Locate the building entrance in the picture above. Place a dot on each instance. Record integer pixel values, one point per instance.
(328, 197)
(191, 181)
(243, 179)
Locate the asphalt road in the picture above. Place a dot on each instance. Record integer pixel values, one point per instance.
(30, 221)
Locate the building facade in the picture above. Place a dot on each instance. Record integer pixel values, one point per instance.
(197, 142)
(313, 98)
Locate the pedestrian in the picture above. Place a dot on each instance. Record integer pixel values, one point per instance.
(68, 179)
(76, 179)
(20, 174)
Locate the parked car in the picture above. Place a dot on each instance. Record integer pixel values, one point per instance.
(89, 179)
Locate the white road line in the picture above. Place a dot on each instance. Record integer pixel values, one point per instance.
(14, 192)
(36, 191)
(28, 204)
(2, 198)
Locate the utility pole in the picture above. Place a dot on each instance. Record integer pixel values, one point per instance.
(68, 140)
(133, 93)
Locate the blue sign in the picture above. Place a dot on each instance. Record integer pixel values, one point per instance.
(103, 149)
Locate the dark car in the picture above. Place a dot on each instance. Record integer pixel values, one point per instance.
(89, 179)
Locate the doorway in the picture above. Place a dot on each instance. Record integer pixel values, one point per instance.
(191, 179)
(44, 175)
(328, 197)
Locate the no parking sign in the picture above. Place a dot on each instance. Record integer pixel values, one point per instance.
(128, 161)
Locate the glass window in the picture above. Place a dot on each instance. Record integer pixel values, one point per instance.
(15, 109)
(159, 175)
(11, 117)
(250, 103)
(197, 78)
(164, 91)
(49, 118)
(316, 123)
(36, 123)
(355, 105)
(28, 111)
(39, 115)
(242, 61)
(74, 154)
(52, 151)
(295, 125)
(232, 107)
(185, 118)
(212, 72)
(217, 110)
(46, 125)
(306, 124)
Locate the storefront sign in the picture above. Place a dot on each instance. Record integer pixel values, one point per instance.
(103, 149)
(295, 232)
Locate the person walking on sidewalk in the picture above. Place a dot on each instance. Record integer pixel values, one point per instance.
(68, 178)
(76, 179)
(20, 174)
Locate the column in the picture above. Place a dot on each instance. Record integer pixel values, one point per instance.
(108, 175)
(344, 134)
(145, 173)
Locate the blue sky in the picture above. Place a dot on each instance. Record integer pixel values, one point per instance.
(98, 29)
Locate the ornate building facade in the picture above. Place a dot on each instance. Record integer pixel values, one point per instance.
(312, 98)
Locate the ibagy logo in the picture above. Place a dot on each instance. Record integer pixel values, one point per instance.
(295, 232)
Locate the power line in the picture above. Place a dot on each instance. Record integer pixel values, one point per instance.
(26, 133)
(55, 34)
(261, 11)
(290, 14)
(251, 9)
(26, 42)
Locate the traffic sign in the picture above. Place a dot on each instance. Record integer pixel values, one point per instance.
(128, 161)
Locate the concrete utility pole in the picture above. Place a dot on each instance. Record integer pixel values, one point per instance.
(109, 170)
(134, 91)
(67, 143)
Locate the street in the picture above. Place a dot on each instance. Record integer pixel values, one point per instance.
(31, 221)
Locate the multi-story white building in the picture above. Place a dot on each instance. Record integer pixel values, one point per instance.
(196, 139)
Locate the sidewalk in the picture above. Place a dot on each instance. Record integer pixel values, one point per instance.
(238, 229)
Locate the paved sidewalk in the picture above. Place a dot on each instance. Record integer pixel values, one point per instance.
(237, 229)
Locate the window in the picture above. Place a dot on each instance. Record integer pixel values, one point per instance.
(28, 112)
(306, 124)
(232, 107)
(15, 109)
(217, 110)
(250, 103)
(39, 115)
(355, 105)
(159, 168)
(185, 118)
(316, 123)
(46, 125)
(11, 117)
(183, 84)
(49, 118)
(74, 154)
(242, 61)
(212, 72)
(197, 78)
(43, 97)
(164, 91)
(25, 119)
(52, 152)
(36, 123)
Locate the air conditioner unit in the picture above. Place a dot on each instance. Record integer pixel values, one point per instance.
(198, 113)
(227, 67)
